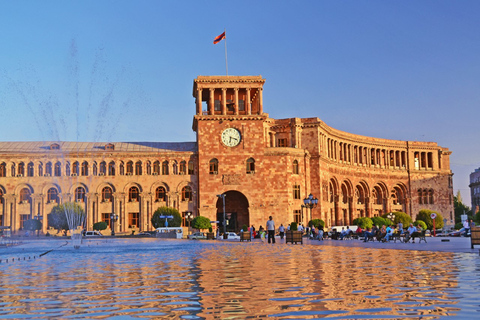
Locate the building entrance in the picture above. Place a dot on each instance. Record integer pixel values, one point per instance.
(236, 211)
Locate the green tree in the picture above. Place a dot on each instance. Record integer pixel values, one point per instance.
(363, 222)
(200, 223)
(421, 223)
(379, 221)
(57, 218)
(424, 215)
(158, 222)
(99, 226)
(316, 223)
(402, 217)
(33, 225)
(460, 208)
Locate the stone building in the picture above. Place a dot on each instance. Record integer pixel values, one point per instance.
(475, 190)
(244, 165)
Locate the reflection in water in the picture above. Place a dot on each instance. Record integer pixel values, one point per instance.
(198, 279)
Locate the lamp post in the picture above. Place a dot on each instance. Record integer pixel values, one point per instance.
(309, 202)
(39, 218)
(224, 221)
(391, 216)
(113, 218)
(166, 221)
(189, 217)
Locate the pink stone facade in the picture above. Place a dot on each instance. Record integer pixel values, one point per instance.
(268, 169)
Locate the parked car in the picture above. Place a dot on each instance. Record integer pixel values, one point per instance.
(460, 233)
(197, 236)
(144, 234)
(232, 236)
(92, 234)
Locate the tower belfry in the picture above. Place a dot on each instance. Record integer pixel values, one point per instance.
(228, 95)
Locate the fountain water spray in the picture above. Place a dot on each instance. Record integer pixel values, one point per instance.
(75, 220)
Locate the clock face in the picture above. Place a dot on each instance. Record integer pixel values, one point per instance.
(231, 137)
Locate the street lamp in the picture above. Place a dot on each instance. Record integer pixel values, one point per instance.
(166, 221)
(391, 216)
(309, 202)
(113, 218)
(224, 221)
(189, 217)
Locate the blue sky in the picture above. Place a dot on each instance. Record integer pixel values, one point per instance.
(123, 70)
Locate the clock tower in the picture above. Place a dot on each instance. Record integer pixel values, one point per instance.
(238, 159)
(229, 123)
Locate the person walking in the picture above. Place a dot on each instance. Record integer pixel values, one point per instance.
(281, 230)
(271, 229)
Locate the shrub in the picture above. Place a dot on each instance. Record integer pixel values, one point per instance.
(293, 226)
(316, 223)
(458, 226)
(245, 228)
(421, 223)
(158, 222)
(201, 222)
(102, 225)
(363, 222)
(32, 225)
(424, 215)
(402, 217)
(379, 221)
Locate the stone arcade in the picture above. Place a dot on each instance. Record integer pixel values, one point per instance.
(264, 167)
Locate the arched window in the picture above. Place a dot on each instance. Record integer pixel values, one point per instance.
(3, 169)
(1, 198)
(420, 196)
(129, 168)
(160, 194)
(58, 169)
(52, 195)
(24, 195)
(30, 170)
(107, 194)
(191, 169)
(250, 166)
(80, 194)
(13, 170)
(85, 168)
(67, 169)
(75, 168)
(295, 167)
(425, 196)
(138, 168)
(183, 167)
(156, 168)
(48, 169)
(165, 167)
(213, 166)
(430, 196)
(21, 169)
(186, 193)
(133, 194)
(111, 168)
(103, 168)
(122, 168)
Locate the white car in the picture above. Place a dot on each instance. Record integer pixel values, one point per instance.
(93, 234)
(232, 236)
(197, 236)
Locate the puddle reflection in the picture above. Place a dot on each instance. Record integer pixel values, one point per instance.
(194, 280)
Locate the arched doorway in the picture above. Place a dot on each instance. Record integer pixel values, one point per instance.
(236, 211)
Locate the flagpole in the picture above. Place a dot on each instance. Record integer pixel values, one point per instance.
(226, 61)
